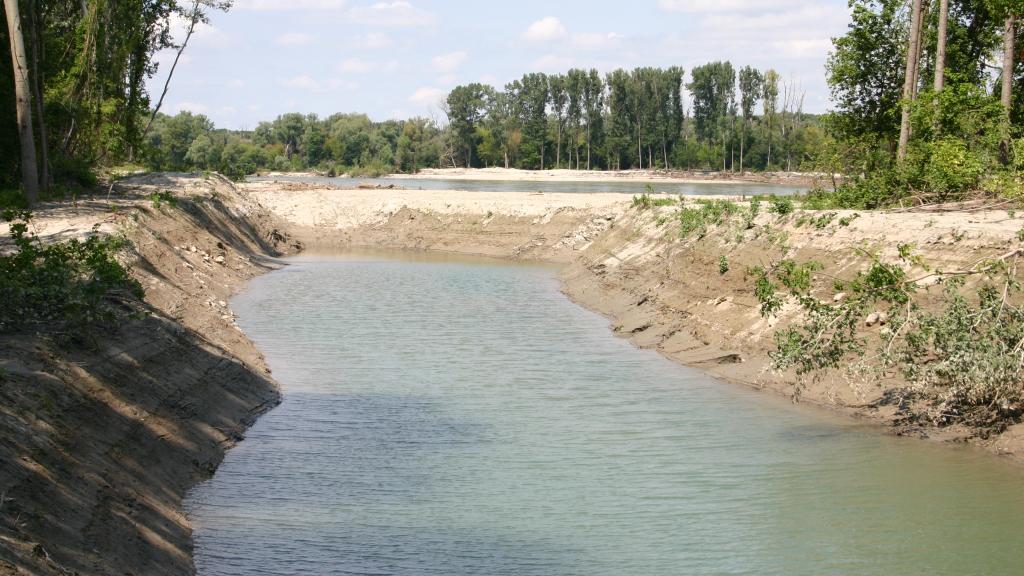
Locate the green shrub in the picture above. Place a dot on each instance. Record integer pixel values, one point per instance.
(67, 285)
(707, 213)
(952, 169)
(782, 205)
(723, 265)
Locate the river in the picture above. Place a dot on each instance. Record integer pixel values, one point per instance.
(550, 186)
(459, 416)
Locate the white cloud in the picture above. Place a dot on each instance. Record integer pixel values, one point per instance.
(552, 63)
(372, 41)
(397, 14)
(303, 82)
(294, 39)
(449, 62)
(546, 29)
(289, 5)
(355, 66)
(427, 96)
(591, 41)
(235, 83)
(447, 80)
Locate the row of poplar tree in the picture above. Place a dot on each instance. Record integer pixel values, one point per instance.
(645, 118)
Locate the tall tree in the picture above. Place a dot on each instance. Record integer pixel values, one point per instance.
(751, 87)
(771, 106)
(466, 106)
(940, 50)
(559, 95)
(23, 98)
(910, 76)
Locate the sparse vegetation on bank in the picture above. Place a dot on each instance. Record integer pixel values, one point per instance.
(69, 286)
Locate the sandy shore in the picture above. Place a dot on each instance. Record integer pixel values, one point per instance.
(652, 176)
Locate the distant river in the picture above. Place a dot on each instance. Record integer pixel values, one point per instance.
(550, 187)
(458, 417)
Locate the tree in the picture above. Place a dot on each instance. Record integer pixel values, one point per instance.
(751, 87)
(864, 71)
(713, 87)
(23, 95)
(559, 107)
(770, 97)
(940, 51)
(466, 106)
(593, 106)
(910, 76)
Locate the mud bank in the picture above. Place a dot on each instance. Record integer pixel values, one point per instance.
(669, 293)
(100, 440)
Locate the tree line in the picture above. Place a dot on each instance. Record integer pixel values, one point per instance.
(646, 118)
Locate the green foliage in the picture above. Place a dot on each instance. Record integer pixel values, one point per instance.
(782, 205)
(159, 199)
(646, 201)
(707, 213)
(723, 265)
(67, 285)
(951, 169)
(751, 214)
(963, 352)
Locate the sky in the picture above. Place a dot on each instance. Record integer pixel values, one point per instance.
(399, 58)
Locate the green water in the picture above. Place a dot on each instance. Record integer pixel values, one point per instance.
(464, 418)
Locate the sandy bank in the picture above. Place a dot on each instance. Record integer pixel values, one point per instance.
(652, 176)
(100, 440)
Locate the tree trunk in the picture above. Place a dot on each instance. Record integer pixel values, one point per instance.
(940, 51)
(768, 166)
(909, 78)
(743, 138)
(1009, 49)
(45, 178)
(23, 95)
(558, 150)
(1009, 61)
(588, 146)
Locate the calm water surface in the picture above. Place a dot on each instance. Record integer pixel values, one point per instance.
(464, 418)
(550, 187)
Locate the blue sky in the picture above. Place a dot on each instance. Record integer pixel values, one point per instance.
(398, 58)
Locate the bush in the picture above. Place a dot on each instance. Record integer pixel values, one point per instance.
(67, 285)
(952, 170)
(782, 205)
(709, 213)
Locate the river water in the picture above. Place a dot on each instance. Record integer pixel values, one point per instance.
(460, 417)
(551, 187)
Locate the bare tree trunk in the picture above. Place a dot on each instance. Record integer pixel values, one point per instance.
(181, 49)
(743, 137)
(45, 179)
(23, 94)
(910, 78)
(1009, 60)
(940, 51)
(588, 146)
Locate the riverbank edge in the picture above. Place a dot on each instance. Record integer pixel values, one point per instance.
(103, 439)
